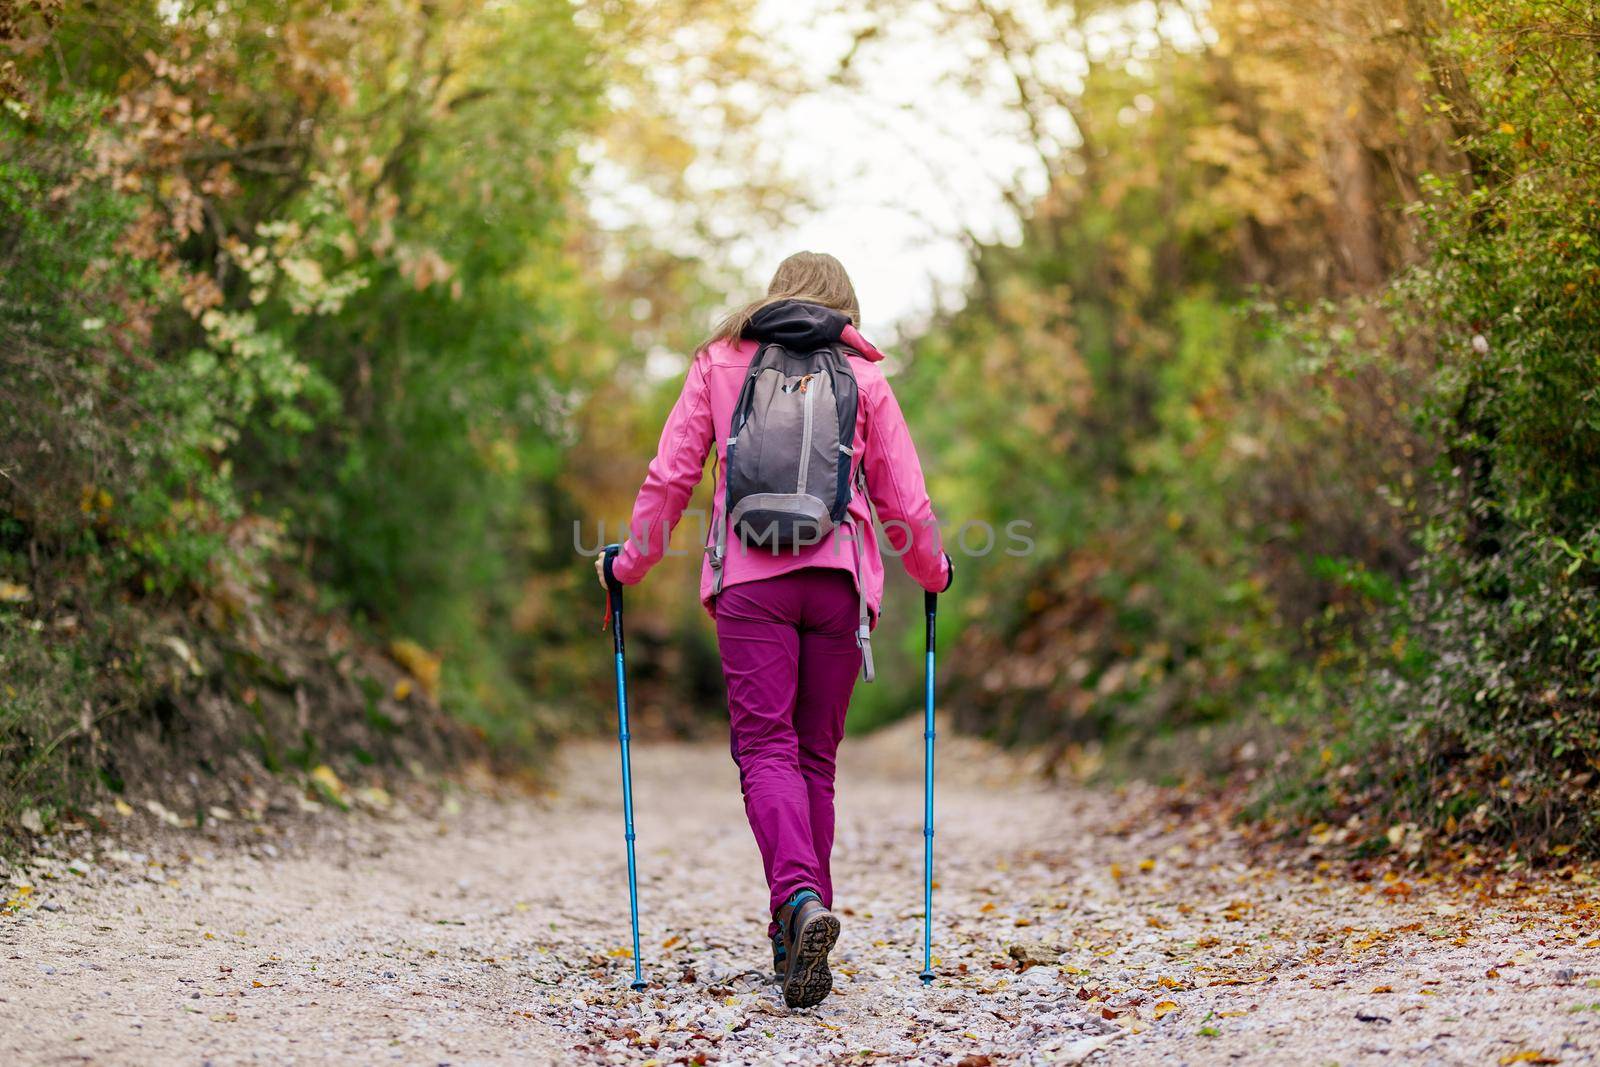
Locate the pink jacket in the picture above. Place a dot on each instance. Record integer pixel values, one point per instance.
(703, 414)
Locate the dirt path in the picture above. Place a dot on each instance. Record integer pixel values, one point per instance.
(497, 934)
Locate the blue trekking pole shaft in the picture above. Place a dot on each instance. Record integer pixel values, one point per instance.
(930, 603)
(614, 594)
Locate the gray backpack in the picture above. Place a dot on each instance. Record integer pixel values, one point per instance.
(789, 448)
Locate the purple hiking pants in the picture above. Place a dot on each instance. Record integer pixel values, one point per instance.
(790, 658)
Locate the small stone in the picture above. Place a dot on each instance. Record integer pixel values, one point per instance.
(1038, 977)
(1035, 952)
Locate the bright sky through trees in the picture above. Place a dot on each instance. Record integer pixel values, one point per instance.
(908, 144)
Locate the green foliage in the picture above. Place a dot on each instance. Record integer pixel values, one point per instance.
(1338, 469)
(1492, 714)
(301, 291)
(1112, 385)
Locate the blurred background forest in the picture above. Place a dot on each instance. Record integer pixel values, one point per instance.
(322, 321)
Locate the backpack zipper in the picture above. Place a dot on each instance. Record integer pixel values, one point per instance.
(808, 405)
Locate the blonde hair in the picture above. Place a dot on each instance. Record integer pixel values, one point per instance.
(815, 277)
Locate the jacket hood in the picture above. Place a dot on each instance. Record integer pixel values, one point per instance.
(804, 327)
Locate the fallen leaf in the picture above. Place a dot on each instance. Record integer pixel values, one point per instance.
(423, 665)
(1166, 1007)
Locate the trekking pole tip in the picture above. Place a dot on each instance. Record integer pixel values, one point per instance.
(927, 978)
(637, 985)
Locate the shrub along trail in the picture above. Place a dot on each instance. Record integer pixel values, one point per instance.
(496, 932)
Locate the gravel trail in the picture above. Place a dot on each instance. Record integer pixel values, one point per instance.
(1071, 925)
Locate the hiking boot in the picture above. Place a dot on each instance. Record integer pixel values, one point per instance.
(809, 931)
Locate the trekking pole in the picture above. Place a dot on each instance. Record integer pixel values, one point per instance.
(614, 611)
(930, 603)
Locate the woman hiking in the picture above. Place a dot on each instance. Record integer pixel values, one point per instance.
(793, 399)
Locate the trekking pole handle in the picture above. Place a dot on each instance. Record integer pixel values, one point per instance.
(613, 586)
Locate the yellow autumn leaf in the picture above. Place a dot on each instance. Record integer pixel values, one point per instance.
(1527, 1055)
(324, 775)
(423, 665)
(1166, 1007)
(621, 952)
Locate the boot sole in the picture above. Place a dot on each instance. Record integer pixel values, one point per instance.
(808, 979)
